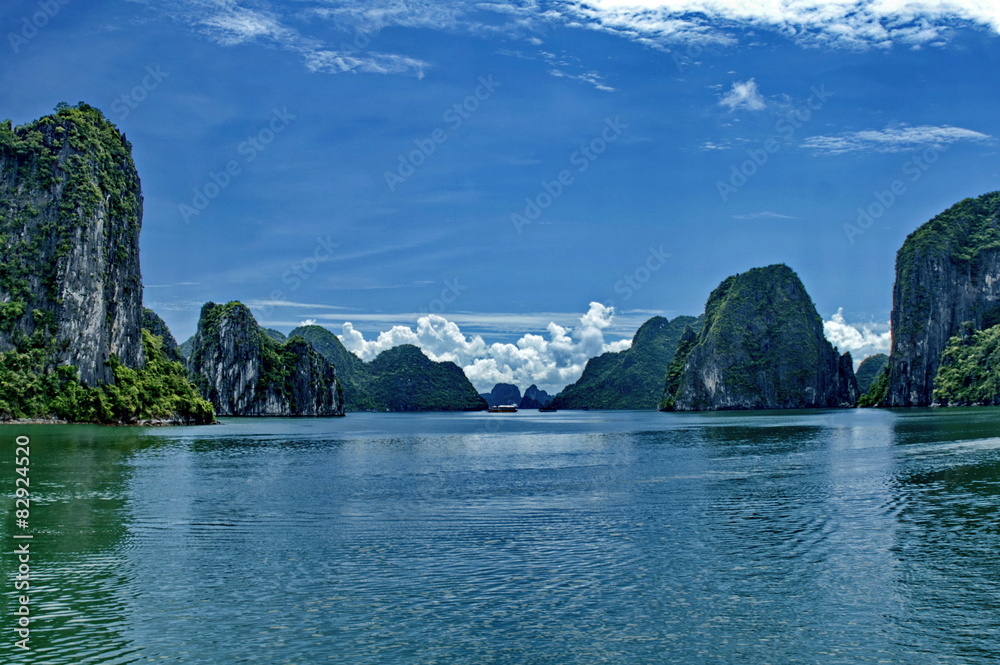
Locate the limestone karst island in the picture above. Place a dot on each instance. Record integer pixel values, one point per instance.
(77, 345)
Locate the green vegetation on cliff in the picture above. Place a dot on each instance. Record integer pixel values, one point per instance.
(969, 373)
(688, 340)
(404, 379)
(31, 387)
(869, 369)
(79, 158)
(878, 391)
(761, 346)
(629, 379)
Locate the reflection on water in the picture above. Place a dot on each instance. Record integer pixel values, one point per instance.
(833, 537)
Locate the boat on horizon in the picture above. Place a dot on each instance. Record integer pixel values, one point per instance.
(503, 408)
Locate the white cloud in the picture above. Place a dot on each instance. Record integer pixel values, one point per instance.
(892, 139)
(863, 341)
(851, 23)
(743, 96)
(228, 23)
(656, 23)
(551, 361)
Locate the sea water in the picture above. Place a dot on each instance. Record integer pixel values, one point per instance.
(860, 536)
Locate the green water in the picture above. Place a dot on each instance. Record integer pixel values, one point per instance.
(599, 537)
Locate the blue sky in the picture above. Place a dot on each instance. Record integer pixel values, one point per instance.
(517, 186)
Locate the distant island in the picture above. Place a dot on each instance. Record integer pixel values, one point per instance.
(77, 345)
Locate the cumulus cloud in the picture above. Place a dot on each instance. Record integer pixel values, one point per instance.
(551, 361)
(863, 341)
(743, 96)
(892, 139)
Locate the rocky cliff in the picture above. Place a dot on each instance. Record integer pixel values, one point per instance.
(70, 215)
(629, 379)
(947, 273)
(534, 398)
(244, 372)
(503, 394)
(400, 379)
(761, 346)
(354, 374)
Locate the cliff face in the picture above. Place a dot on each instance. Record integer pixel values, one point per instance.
(244, 372)
(70, 214)
(352, 372)
(947, 273)
(503, 394)
(534, 398)
(762, 347)
(629, 379)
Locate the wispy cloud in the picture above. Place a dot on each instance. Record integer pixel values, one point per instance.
(892, 139)
(591, 78)
(655, 23)
(229, 23)
(289, 303)
(743, 95)
(767, 214)
(850, 23)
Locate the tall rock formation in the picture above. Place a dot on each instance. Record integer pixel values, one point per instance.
(70, 214)
(947, 274)
(353, 373)
(503, 394)
(244, 372)
(629, 379)
(761, 346)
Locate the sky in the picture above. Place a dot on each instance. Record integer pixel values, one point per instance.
(516, 185)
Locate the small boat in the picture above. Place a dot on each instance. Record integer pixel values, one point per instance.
(547, 409)
(503, 408)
